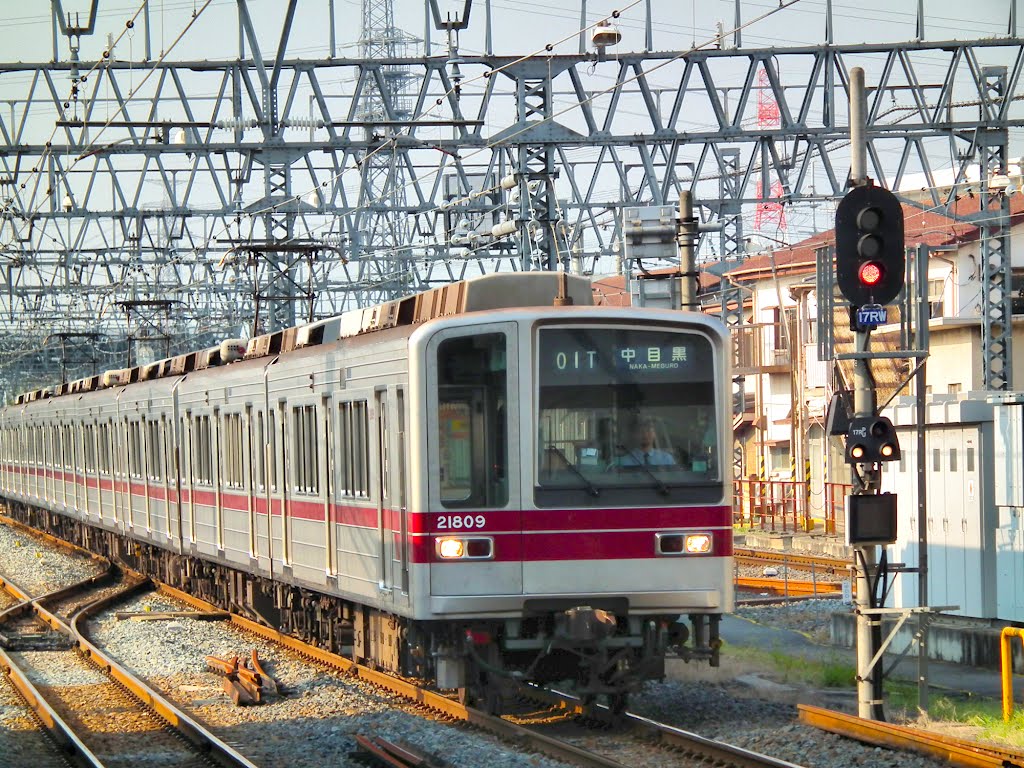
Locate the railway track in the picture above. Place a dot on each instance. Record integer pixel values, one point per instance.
(93, 709)
(797, 576)
(953, 751)
(561, 736)
(564, 709)
(826, 566)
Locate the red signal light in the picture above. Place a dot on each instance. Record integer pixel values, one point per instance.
(870, 273)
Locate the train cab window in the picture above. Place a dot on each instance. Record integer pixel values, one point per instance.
(472, 430)
(626, 415)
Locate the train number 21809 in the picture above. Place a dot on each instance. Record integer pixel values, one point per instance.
(461, 521)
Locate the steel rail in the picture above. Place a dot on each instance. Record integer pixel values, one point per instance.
(757, 556)
(790, 586)
(61, 733)
(512, 731)
(955, 751)
(213, 748)
(714, 752)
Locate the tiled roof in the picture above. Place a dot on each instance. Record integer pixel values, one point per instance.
(926, 227)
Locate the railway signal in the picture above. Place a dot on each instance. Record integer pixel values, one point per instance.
(871, 439)
(870, 258)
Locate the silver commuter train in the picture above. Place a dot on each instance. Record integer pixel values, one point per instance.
(447, 486)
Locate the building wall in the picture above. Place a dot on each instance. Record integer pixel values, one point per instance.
(955, 360)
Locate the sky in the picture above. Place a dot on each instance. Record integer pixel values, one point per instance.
(519, 27)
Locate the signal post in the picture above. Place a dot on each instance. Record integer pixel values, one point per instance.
(870, 273)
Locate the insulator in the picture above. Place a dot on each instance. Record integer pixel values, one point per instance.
(504, 228)
(303, 122)
(510, 181)
(236, 124)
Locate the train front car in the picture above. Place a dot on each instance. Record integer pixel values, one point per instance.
(578, 483)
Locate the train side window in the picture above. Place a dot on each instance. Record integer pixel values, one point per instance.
(259, 453)
(153, 444)
(305, 457)
(472, 434)
(135, 450)
(272, 439)
(353, 448)
(202, 450)
(233, 475)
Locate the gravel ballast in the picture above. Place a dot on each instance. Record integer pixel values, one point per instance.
(314, 723)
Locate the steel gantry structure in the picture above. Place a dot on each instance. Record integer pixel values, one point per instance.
(250, 192)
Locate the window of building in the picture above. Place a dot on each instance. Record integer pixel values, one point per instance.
(936, 292)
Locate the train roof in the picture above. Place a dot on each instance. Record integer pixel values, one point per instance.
(497, 291)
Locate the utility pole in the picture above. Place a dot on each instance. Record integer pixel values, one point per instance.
(870, 272)
(687, 259)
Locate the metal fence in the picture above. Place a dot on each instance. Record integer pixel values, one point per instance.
(776, 506)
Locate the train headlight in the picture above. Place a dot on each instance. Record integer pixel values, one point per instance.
(451, 549)
(698, 543)
(476, 548)
(684, 543)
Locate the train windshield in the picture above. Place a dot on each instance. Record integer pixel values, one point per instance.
(624, 409)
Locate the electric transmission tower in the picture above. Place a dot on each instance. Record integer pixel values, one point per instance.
(382, 234)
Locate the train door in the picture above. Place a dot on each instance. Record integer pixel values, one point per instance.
(150, 469)
(47, 454)
(65, 455)
(400, 484)
(387, 526)
(122, 484)
(251, 452)
(279, 465)
(355, 533)
(261, 458)
(325, 467)
(172, 494)
(471, 459)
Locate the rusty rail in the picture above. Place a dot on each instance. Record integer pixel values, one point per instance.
(398, 755)
(955, 751)
(246, 682)
(790, 586)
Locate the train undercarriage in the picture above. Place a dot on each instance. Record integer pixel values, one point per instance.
(595, 651)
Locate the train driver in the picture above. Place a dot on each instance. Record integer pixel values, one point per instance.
(642, 449)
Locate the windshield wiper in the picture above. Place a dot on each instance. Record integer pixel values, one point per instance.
(662, 488)
(593, 489)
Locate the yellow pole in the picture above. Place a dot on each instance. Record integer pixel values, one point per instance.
(1006, 667)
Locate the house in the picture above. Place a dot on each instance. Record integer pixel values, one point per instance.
(793, 377)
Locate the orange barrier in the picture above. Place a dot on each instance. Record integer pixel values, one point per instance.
(780, 506)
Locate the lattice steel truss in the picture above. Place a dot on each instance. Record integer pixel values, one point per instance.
(270, 184)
